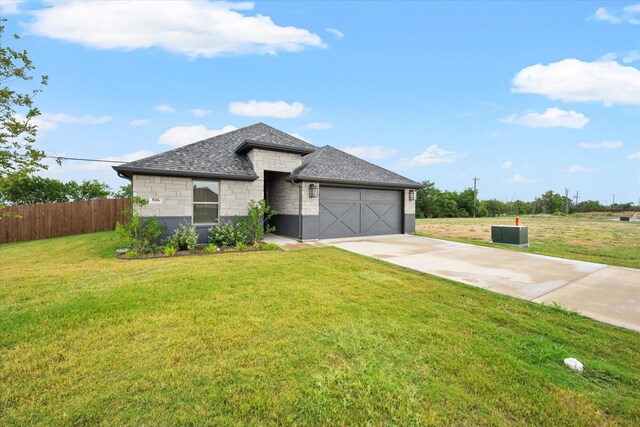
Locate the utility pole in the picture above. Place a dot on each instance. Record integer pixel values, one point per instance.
(577, 196)
(614, 200)
(566, 201)
(475, 192)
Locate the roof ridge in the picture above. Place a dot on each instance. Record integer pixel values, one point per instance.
(210, 139)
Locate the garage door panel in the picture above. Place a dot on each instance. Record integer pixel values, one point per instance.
(339, 219)
(340, 194)
(380, 218)
(381, 196)
(351, 212)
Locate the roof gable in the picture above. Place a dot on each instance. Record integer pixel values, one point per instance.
(218, 157)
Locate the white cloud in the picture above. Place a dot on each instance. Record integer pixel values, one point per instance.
(319, 126)
(11, 7)
(628, 14)
(68, 118)
(178, 136)
(139, 122)
(518, 179)
(191, 28)
(278, 109)
(336, 33)
(164, 108)
(507, 165)
(634, 156)
(578, 169)
(604, 144)
(433, 155)
(552, 117)
(572, 80)
(47, 122)
(372, 152)
(603, 14)
(198, 112)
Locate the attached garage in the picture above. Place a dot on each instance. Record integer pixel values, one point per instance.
(353, 212)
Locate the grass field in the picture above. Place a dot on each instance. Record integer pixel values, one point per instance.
(316, 336)
(590, 237)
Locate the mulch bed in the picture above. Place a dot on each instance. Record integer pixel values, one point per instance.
(199, 251)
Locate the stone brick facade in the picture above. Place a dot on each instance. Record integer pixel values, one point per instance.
(235, 196)
(284, 196)
(176, 194)
(310, 206)
(409, 205)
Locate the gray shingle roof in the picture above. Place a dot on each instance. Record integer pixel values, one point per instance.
(224, 156)
(218, 157)
(331, 165)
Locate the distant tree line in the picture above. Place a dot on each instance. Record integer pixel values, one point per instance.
(432, 202)
(36, 189)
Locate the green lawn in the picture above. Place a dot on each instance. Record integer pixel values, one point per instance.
(316, 336)
(598, 238)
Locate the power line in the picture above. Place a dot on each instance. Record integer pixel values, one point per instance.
(84, 160)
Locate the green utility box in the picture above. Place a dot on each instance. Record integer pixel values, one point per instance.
(516, 235)
(625, 218)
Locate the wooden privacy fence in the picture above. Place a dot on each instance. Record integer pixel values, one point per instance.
(44, 220)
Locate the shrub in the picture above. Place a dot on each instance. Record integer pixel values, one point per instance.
(241, 246)
(211, 248)
(255, 226)
(139, 234)
(226, 235)
(131, 253)
(268, 247)
(185, 237)
(170, 249)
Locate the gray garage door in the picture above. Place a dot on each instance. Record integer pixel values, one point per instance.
(350, 212)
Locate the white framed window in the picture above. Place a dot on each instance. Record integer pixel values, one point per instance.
(206, 202)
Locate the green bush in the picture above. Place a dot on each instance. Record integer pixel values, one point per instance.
(241, 246)
(268, 247)
(226, 235)
(211, 248)
(170, 249)
(255, 226)
(140, 235)
(185, 237)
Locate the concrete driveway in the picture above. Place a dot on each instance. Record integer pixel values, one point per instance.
(605, 293)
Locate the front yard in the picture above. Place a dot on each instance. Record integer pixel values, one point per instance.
(316, 336)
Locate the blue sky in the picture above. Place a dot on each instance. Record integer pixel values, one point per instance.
(525, 96)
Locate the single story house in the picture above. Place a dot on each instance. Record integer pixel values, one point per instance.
(318, 192)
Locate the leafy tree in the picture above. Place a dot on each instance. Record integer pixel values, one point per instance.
(588, 206)
(18, 157)
(519, 207)
(123, 193)
(549, 202)
(88, 190)
(34, 189)
(425, 200)
(494, 207)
